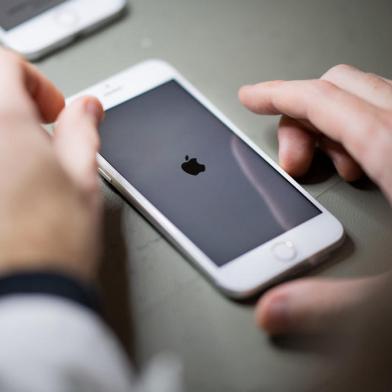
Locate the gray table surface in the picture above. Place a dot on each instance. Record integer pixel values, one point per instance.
(156, 300)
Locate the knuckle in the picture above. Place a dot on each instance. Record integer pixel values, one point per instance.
(318, 90)
(375, 146)
(379, 85)
(336, 71)
(372, 75)
(323, 87)
(369, 135)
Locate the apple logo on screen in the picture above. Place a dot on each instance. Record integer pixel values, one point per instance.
(192, 167)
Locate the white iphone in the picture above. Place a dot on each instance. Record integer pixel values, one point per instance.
(208, 188)
(35, 27)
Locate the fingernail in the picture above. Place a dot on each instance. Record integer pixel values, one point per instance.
(94, 109)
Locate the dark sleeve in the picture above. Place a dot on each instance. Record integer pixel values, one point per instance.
(52, 284)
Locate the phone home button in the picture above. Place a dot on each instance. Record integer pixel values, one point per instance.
(284, 251)
(66, 18)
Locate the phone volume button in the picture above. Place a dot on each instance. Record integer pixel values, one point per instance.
(105, 175)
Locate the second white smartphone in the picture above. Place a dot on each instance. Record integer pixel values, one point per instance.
(208, 188)
(33, 28)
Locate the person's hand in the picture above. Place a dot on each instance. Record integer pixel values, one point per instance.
(50, 203)
(348, 114)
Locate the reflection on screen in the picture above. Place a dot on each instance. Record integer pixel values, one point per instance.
(15, 12)
(202, 177)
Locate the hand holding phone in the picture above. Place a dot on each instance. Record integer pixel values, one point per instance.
(50, 206)
(349, 113)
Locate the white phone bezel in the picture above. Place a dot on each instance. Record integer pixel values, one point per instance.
(255, 269)
(47, 31)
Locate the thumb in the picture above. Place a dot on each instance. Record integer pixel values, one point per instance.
(76, 141)
(311, 306)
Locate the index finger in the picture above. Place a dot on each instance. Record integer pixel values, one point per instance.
(22, 85)
(343, 117)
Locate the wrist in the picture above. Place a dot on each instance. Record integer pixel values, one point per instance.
(58, 257)
(39, 262)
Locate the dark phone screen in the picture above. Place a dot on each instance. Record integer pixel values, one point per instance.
(216, 189)
(15, 12)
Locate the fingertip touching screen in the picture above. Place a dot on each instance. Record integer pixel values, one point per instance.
(210, 184)
(15, 12)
